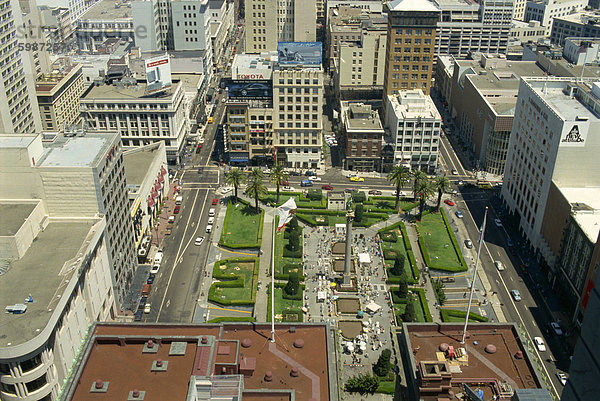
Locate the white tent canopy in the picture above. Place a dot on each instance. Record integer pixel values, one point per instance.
(373, 307)
(340, 228)
(364, 258)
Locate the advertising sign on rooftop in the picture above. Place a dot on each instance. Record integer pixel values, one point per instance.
(158, 74)
(300, 53)
(248, 89)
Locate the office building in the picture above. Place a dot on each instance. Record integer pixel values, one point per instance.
(249, 133)
(17, 86)
(410, 45)
(271, 21)
(580, 51)
(140, 120)
(552, 140)
(362, 133)
(343, 26)
(298, 116)
(222, 22)
(581, 24)
(545, 11)
(482, 101)
(58, 94)
(412, 124)
(104, 20)
(371, 6)
(36, 59)
(523, 32)
(57, 24)
(76, 7)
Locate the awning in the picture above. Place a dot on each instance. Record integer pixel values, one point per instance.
(161, 178)
(154, 193)
(239, 159)
(163, 171)
(364, 258)
(150, 201)
(373, 307)
(157, 186)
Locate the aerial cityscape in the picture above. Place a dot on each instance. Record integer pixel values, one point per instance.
(300, 200)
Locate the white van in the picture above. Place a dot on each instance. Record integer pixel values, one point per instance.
(158, 257)
(211, 220)
(179, 200)
(211, 212)
(209, 228)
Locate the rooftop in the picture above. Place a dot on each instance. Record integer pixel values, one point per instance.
(44, 262)
(412, 5)
(137, 161)
(79, 151)
(114, 354)
(108, 10)
(12, 216)
(487, 368)
(567, 107)
(47, 82)
(361, 117)
(414, 104)
(582, 16)
(585, 204)
(129, 92)
(16, 141)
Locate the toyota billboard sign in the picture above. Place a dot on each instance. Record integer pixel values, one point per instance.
(300, 53)
(158, 74)
(249, 89)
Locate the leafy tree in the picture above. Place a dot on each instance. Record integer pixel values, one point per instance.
(441, 184)
(362, 384)
(383, 365)
(278, 176)
(358, 196)
(358, 212)
(236, 178)
(398, 268)
(255, 186)
(409, 312)
(403, 286)
(293, 284)
(315, 194)
(294, 242)
(399, 176)
(438, 287)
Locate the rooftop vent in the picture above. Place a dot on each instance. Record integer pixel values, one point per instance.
(99, 386)
(135, 395)
(16, 309)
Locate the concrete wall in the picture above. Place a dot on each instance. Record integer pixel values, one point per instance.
(556, 217)
(573, 161)
(70, 192)
(143, 25)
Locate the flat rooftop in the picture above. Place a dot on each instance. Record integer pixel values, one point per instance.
(414, 104)
(12, 216)
(58, 243)
(79, 151)
(362, 117)
(137, 161)
(106, 10)
(585, 203)
(133, 92)
(562, 104)
(113, 353)
(481, 369)
(16, 141)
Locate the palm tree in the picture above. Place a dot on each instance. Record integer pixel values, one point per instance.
(418, 176)
(399, 176)
(424, 190)
(236, 178)
(255, 188)
(256, 172)
(278, 176)
(441, 184)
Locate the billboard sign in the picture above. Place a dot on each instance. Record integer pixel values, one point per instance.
(574, 134)
(158, 74)
(249, 89)
(300, 53)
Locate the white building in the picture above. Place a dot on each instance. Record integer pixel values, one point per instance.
(104, 20)
(553, 139)
(298, 95)
(580, 51)
(413, 124)
(523, 32)
(546, 10)
(253, 66)
(76, 177)
(222, 21)
(373, 6)
(272, 21)
(139, 119)
(76, 7)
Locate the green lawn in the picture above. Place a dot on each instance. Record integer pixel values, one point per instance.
(245, 270)
(309, 217)
(280, 260)
(386, 387)
(243, 226)
(432, 230)
(300, 199)
(283, 305)
(384, 202)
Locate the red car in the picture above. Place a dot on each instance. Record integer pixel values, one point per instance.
(285, 183)
(449, 202)
(327, 187)
(176, 210)
(215, 201)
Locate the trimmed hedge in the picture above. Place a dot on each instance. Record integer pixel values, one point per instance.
(231, 319)
(389, 236)
(286, 268)
(423, 300)
(409, 252)
(233, 281)
(248, 245)
(447, 314)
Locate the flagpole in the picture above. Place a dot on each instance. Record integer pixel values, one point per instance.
(481, 232)
(273, 285)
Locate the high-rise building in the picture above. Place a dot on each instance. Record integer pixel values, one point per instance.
(272, 21)
(544, 11)
(19, 113)
(414, 124)
(36, 60)
(363, 132)
(410, 45)
(298, 94)
(76, 7)
(553, 140)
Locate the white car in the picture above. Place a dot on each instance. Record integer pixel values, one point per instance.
(562, 377)
(314, 178)
(288, 189)
(211, 220)
(209, 228)
(454, 172)
(556, 327)
(402, 193)
(226, 190)
(498, 222)
(539, 343)
(147, 308)
(499, 265)
(155, 269)
(199, 241)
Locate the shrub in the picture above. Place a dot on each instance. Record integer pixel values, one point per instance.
(362, 384)
(438, 287)
(389, 236)
(447, 314)
(398, 269)
(402, 286)
(383, 365)
(293, 285)
(314, 194)
(231, 319)
(423, 300)
(358, 196)
(390, 254)
(358, 213)
(409, 312)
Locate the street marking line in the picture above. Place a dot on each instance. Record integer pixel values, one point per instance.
(227, 309)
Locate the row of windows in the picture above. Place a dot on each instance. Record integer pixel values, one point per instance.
(290, 81)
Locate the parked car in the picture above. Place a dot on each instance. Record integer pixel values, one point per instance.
(309, 173)
(556, 328)
(516, 295)
(402, 193)
(147, 308)
(209, 228)
(314, 178)
(199, 241)
(562, 378)
(357, 179)
(288, 189)
(469, 244)
(211, 220)
(176, 210)
(327, 187)
(375, 192)
(215, 201)
(168, 230)
(306, 183)
(539, 343)
(459, 214)
(150, 279)
(449, 202)
(138, 315)
(499, 265)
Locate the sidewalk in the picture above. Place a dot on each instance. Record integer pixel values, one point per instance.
(264, 272)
